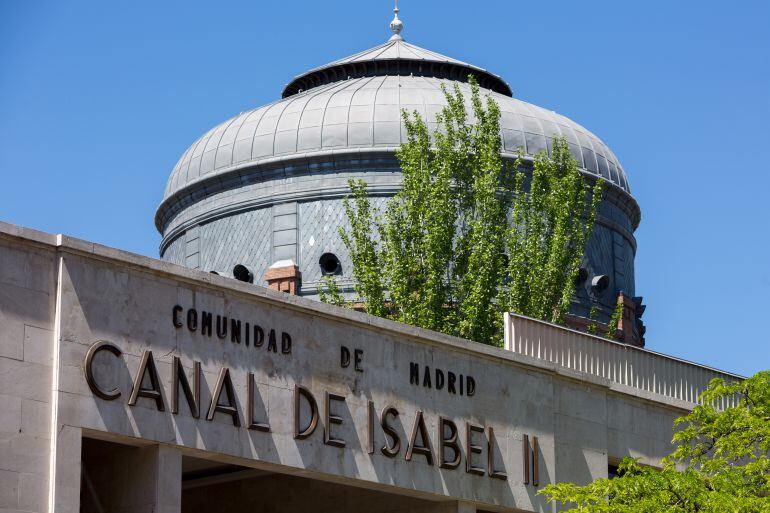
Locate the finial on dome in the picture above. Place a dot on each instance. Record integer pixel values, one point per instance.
(396, 26)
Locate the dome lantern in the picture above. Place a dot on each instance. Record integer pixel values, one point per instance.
(396, 26)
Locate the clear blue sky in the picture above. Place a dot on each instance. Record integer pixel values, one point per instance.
(99, 99)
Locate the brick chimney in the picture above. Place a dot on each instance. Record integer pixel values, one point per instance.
(628, 321)
(284, 276)
(630, 326)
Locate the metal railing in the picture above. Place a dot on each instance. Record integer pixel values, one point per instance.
(631, 366)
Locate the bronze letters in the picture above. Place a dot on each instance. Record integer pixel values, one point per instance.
(530, 454)
(193, 396)
(299, 433)
(497, 474)
(253, 424)
(451, 443)
(330, 418)
(471, 449)
(175, 316)
(108, 395)
(231, 408)
(390, 450)
(424, 448)
(455, 383)
(147, 366)
(370, 427)
(285, 343)
(147, 383)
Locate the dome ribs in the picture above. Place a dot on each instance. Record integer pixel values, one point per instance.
(371, 124)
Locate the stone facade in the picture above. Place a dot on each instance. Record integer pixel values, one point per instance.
(95, 345)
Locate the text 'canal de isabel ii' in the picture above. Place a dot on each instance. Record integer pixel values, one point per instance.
(447, 448)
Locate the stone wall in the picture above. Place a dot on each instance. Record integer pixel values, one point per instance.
(27, 324)
(580, 423)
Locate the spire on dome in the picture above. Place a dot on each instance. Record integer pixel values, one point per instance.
(396, 26)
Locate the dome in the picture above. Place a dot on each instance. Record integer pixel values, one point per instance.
(363, 114)
(267, 187)
(352, 106)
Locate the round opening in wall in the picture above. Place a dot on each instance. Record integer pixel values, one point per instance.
(242, 273)
(330, 264)
(600, 282)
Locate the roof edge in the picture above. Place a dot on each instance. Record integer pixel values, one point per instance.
(336, 72)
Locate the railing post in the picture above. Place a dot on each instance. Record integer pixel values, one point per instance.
(508, 331)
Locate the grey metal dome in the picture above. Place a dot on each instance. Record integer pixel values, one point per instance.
(267, 186)
(359, 114)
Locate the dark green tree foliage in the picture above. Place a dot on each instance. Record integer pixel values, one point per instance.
(721, 463)
(439, 249)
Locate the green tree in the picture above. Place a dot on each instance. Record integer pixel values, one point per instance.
(466, 237)
(550, 227)
(720, 463)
